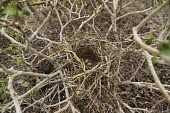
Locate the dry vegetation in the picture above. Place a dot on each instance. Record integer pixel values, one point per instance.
(79, 56)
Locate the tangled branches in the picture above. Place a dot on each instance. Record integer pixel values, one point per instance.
(77, 56)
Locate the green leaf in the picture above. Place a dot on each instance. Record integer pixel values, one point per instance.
(154, 59)
(2, 84)
(63, 15)
(85, 3)
(12, 47)
(20, 61)
(9, 10)
(36, 90)
(66, 37)
(165, 52)
(17, 35)
(26, 13)
(18, 55)
(1, 104)
(149, 37)
(16, 1)
(6, 29)
(3, 80)
(149, 41)
(19, 13)
(165, 48)
(25, 84)
(1, 90)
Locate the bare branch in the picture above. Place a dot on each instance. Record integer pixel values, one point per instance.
(155, 77)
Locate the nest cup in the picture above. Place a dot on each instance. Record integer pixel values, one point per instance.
(88, 53)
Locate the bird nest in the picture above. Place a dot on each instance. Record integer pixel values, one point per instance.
(88, 53)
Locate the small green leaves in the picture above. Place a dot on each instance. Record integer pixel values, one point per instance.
(149, 39)
(1, 90)
(37, 0)
(10, 10)
(36, 90)
(154, 59)
(166, 52)
(165, 49)
(3, 85)
(3, 102)
(86, 34)
(14, 1)
(3, 80)
(26, 13)
(85, 3)
(12, 47)
(66, 37)
(25, 84)
(63, 15)
(20, 61)
(14, 34)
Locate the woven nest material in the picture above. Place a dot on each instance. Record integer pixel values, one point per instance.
(88, 53)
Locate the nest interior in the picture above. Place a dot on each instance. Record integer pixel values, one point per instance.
(88, 53)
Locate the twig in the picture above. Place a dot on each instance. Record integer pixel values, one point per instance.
(135, 12)
(38, 29)
(141, 24)
(151, 49)
(155, 77)
(29, 91)
(24, 46)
